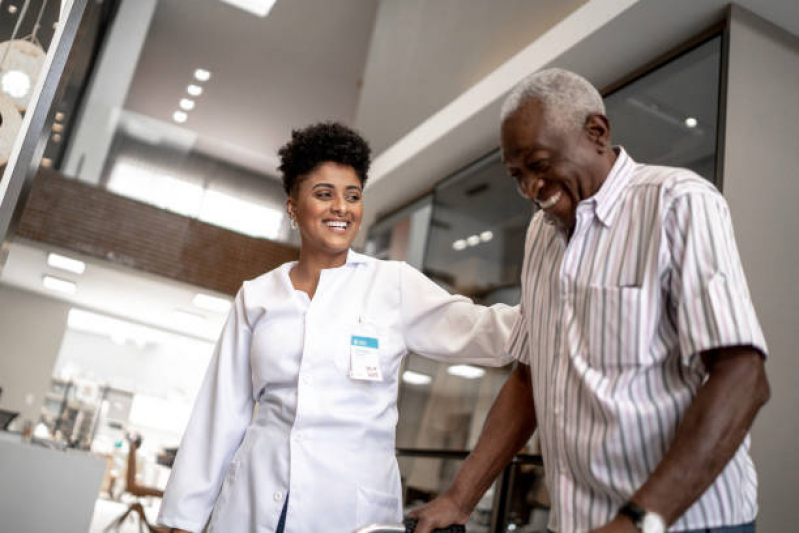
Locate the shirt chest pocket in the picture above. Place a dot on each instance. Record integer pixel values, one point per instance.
(616, 327)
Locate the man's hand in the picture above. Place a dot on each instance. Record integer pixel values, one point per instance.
(510, 422)
(620, 524)
(440, 513)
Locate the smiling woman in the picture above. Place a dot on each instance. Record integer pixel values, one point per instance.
(324, 171)
(318, 344)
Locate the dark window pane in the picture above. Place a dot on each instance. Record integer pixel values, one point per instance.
(670, 115)
(477, 232)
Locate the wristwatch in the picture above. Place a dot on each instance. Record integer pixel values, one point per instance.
(645, 521)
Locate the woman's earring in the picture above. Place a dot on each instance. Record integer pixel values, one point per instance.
(293, 221)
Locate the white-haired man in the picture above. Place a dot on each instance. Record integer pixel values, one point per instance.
(641, 360)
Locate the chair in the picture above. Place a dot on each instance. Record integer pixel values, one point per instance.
(133, 488)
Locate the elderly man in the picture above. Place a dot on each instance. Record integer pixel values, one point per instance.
(641, 360)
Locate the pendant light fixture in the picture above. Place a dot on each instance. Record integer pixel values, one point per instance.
(21, 61)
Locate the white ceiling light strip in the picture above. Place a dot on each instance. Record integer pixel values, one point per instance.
(260, 8)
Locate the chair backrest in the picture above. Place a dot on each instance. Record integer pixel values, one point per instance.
(131, 485)
(6, 417)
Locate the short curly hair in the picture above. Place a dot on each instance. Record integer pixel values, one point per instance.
(321, 143)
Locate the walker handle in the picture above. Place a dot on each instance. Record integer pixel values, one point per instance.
(408, 527)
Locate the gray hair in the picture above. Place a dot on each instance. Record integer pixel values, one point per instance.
(567, 98)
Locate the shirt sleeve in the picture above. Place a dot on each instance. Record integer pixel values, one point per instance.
(517, 345)
(710, 301)
(450, 327)
(221, 414)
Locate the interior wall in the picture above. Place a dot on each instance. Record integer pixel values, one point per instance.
(761, 158)
(31, 329)
(424, 53)
(150, 369)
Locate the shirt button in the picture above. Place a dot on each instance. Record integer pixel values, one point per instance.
(306, 379)
(278, 496)
(298, 437)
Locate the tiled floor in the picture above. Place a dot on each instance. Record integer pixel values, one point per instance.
(107, 511)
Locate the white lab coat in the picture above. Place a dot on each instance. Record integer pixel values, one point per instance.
(318, 435)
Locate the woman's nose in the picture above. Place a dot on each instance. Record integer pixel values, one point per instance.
(339, 206)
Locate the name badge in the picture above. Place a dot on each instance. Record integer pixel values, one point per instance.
(365, 359)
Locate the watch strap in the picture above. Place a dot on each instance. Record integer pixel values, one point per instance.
(634, 513)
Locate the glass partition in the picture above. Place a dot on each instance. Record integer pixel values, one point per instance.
(477, 233)
(670, 115)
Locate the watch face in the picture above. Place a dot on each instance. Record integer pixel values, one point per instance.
(653, 523)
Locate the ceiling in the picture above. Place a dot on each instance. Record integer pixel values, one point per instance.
(300, 64)
(116, 291)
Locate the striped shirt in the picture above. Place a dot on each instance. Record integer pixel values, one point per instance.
(613, 321)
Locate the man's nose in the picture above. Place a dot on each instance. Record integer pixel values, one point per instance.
(534, 186)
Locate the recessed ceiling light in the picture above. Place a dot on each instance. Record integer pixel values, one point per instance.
(59, 285)
(691, 122)
(187, 104)
(486, 236)
(256, 7)
(202, 75)
(194, 90)
(459, 245)
(473, 240)
(179, 117)
(466, 371)
(211, 303)
(59, 116)
(415, 378)
(66, 263)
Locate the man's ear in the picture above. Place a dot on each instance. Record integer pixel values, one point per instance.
(597, 126)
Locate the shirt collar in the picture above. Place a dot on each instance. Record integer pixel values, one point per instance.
(606, 198)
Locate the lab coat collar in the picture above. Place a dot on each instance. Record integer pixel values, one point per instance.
(354, 258)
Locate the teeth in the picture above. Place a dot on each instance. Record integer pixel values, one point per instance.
(335, 224)
(546, 204)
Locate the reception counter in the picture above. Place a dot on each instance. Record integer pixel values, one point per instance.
(42, 489)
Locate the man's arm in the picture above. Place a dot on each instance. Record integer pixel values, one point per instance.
(509, 424)
(711, 432)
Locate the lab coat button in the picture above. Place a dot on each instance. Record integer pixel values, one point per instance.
(278, 496)
(306, 379)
